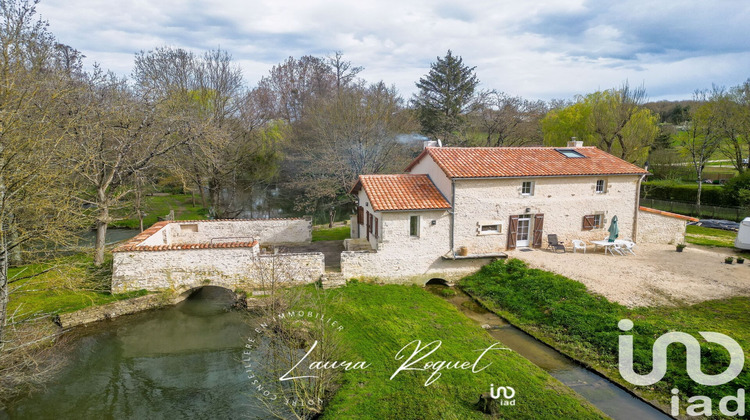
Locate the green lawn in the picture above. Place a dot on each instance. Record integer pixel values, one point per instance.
(561, 312)
(710, 237)
(338, 233)
(156, 206)
(379, 320)
(71, 283)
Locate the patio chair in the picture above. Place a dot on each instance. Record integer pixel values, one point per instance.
(618, 249)
(553, 243)
(579, 244)
(628, 245)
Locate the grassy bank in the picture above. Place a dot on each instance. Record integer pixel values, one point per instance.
(699, 235)
(379, 320)
(561, 312)
(62, 285)
(156, 206)
(336, 233)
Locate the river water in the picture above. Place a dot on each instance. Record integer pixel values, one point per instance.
(600, 392)
(177, 362)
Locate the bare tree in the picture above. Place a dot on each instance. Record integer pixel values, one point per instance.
(507, 120)
(355, 133)
(117, 137)
(702, 138)
(285, 385)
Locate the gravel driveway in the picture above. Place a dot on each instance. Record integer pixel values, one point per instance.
(656, 275)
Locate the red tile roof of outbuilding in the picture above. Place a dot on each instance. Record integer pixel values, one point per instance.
(401, 192)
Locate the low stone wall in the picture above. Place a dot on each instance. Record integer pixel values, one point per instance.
(405, 268)
(661, 227)
(232, 268)
(266, 231)
(115, 309)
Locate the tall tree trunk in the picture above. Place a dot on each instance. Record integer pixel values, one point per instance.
(3, 286)
(101, 229)
(700, 188)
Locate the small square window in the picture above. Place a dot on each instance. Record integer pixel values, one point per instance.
(414, 226)
(601, 186)
(593, 221)
(527, 188)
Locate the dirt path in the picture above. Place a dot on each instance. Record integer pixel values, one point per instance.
(656, 275)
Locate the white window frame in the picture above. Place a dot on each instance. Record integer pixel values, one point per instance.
(417, 227)
(604, 186)
(497, 231)
(531, 188)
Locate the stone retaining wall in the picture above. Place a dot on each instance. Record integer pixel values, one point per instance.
(405, 267)
(232, 268)
(114, 309)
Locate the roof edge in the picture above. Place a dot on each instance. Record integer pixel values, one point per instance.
(667, 214)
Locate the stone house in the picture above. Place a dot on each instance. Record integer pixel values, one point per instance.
(457, 207)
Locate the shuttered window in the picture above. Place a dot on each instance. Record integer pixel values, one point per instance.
(375, 228)
(593, 221)
(360, 215)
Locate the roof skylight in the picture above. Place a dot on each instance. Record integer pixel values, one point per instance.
(570, 153)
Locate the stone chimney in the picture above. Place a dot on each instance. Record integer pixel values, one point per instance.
(432, 143)
(574, 142)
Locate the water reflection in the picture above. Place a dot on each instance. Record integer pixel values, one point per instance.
(177, 362)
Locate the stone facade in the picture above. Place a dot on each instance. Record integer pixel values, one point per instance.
(399, 256)
(661, 227)
(563, 201)
(266, 231)
(231, 268)
(187, 254)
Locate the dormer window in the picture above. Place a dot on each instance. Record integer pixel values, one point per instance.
(570, 153)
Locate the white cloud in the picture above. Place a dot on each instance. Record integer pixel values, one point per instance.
(543, 49)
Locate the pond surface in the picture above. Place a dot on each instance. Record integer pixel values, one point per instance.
(602, 393)
(178, 362)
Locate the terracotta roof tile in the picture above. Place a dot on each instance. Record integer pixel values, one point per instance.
(401, 192)
(668, 214)
(492, 162)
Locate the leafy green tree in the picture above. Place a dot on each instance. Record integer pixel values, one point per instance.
(445, 96)
(613, 120)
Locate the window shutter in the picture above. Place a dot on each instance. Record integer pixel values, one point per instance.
(538, 229)
(512, 232)
(360, 215)
(589, 222)
(376, 228)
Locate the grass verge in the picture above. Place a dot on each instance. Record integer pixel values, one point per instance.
(379, 320)
(338, 233)
(700, 235)
(561, 312)
(63, 285)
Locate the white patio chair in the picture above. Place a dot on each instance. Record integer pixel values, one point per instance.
(618, 249)
(628, 246)
(579, 244)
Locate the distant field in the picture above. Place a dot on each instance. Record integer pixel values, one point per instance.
(699, 235)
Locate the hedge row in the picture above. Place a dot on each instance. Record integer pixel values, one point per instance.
(711, 195)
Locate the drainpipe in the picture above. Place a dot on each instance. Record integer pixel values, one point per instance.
(452, 212)
(637, 207)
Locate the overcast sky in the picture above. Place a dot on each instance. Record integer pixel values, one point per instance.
(538, 49)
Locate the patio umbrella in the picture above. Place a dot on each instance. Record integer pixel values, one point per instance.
(614, 231)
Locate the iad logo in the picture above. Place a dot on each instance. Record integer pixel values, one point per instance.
(508, 394)
(692, 366)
